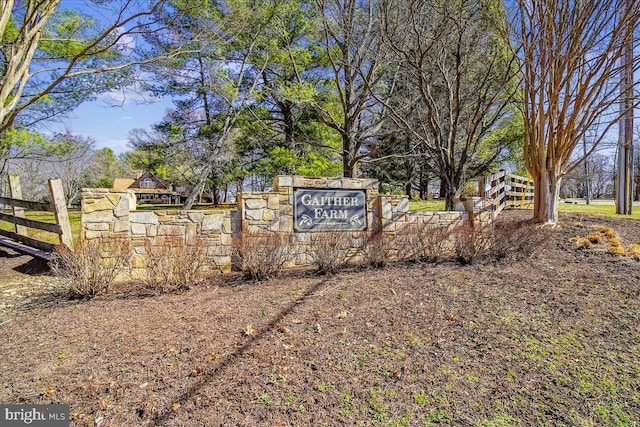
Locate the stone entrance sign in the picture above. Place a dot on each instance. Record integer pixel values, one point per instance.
(297, 207)
(329, 210)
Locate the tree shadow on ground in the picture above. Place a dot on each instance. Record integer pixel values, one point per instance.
(218, 366)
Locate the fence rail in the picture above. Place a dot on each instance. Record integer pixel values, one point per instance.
(19, 239)
(506, 190)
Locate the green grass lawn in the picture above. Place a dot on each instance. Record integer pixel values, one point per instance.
(596, 209)
(591, 209)
(426, 205)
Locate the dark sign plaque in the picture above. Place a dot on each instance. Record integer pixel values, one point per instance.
(329, 210)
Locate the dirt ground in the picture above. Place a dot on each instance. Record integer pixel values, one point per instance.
(553, 339)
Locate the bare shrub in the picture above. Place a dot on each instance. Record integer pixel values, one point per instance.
(423, 242)
(378, 249)
(434, 242)
(329, 250)
(93, 266)
(261, 255)
(471, 243)
(408, 244)
(173, 266)
(518, 239)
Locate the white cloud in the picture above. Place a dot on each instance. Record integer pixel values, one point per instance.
(117, 145)
(128, 95)
(126, 42)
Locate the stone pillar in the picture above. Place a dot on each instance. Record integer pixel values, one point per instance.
(105, 213)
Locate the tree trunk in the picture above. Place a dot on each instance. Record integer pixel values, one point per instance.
(407, 188)
(289, 125)
(547, 194)
(450, 195)
(215, 194)
(348, 163)
(198, 187)
(424, 186)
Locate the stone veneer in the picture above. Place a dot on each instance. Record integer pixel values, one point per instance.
(112, 214)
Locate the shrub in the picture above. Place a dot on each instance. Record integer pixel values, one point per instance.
(173, 266)
(261, 255)
(471, 243)
(93, 266)
(329, 250)
(407, 243)
(378, 249)
(517, 239)
(434, 242)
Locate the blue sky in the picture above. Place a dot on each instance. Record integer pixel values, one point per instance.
(108, 121)
(110, 118)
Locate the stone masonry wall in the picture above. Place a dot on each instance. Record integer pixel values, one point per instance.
(395, 215)
(112, 214)
(273, 212)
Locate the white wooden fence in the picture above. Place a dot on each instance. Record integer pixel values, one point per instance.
(506, 190)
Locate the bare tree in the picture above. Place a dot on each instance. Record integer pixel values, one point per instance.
(599, 179)
(71, 166)
(357, 59)
(68, 158)
(570, 53)
(463, 83)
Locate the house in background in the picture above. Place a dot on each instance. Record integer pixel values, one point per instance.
(149, 189)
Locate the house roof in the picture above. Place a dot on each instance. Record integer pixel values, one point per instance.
(160, 183)
(122, 183)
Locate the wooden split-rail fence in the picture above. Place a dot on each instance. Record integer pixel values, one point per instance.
(506, 190)
(19, 239)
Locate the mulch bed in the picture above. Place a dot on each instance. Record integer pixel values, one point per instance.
(552, 339)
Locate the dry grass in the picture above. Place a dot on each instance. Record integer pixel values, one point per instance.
(634, 250)
(583, 243)
(547, 340)
(606, 235)
(595, 238)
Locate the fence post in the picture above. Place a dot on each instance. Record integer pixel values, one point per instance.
(16, 193)
(62, 216)
(482, 183)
